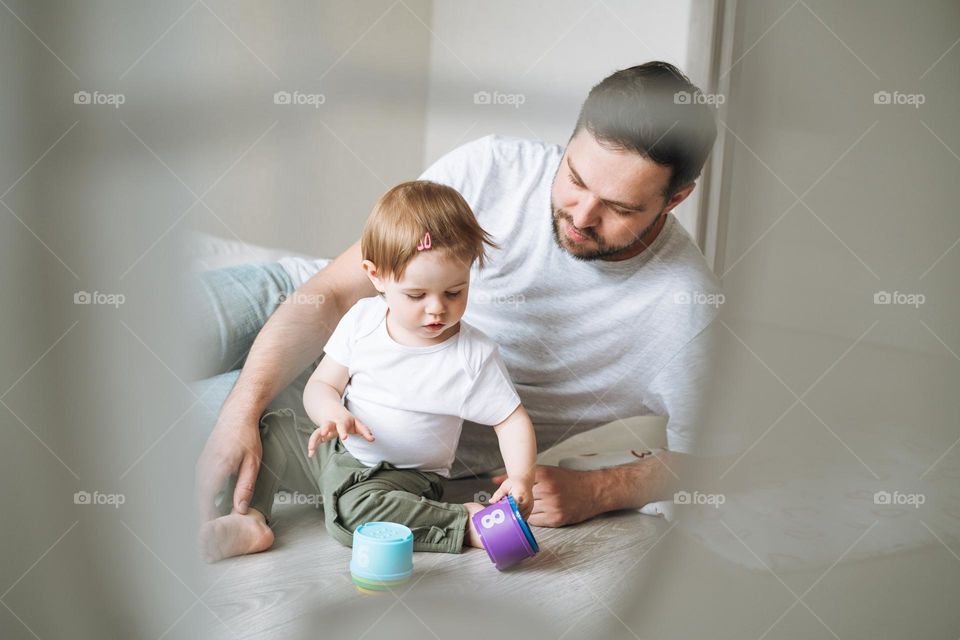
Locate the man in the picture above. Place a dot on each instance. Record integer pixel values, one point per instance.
(591, 296)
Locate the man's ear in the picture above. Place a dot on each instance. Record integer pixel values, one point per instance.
(371, 270)
(680, 196)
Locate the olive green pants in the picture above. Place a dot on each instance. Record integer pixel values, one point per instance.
(353, 493)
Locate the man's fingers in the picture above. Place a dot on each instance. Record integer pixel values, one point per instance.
(521, 503)
(526, 508)
(246, 479)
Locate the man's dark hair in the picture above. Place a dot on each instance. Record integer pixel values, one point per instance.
(654, 110)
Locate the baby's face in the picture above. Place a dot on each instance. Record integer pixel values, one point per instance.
(428, 302)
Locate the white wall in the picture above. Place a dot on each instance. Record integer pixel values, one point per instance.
(310, 183)
(398, 81)
(879, 191)
(549, 53)
(810, 373)
(878, 214)
(881, 208)
(94, 396)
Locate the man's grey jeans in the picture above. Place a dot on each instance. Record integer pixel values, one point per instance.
(229, 306)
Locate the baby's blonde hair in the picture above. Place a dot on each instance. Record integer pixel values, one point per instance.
(406, 213)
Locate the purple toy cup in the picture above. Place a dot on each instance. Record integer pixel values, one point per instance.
(505, 535)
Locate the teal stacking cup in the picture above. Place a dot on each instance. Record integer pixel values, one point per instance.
(382, 556)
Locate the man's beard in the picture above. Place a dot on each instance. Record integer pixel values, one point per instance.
(603, 250)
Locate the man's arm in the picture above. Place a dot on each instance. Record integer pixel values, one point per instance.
(568, 496)
(634, 485)
(679, 390)
(655, 478)
(292, 338)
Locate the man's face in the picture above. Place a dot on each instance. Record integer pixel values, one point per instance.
(604, 200)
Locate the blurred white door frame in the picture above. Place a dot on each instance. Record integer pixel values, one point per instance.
(711, 47)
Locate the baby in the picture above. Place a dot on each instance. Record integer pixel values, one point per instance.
(401, 372)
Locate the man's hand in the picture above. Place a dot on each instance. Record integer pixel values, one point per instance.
(231, 448)
(340, 426)
(561, 496)
(522, 493)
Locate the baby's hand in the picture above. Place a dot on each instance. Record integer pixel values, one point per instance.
(341, 426)
(522, 493)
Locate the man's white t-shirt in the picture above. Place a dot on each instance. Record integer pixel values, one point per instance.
(415, 399)
(585, 342)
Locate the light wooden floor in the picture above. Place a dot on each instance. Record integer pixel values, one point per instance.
(621, 575)
(275, 594)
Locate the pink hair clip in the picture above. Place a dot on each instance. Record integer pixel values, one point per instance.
(426, 243)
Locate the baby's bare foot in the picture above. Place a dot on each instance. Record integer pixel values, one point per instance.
(471, 537)
(234, 535)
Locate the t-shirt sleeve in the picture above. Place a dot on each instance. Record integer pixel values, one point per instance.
(340, 344)
(465, 168)
(686, 392)
(491, 398)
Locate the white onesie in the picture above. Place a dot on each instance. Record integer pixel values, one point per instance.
(415, 399)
